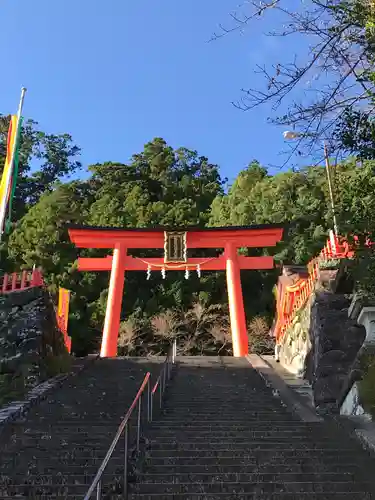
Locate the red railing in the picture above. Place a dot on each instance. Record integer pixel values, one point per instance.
(20, 281)
(291, 298)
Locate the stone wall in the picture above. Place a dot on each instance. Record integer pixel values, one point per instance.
(296, 344)
(322, 345)
(31, 346)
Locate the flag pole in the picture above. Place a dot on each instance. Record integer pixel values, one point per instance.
(4, 201)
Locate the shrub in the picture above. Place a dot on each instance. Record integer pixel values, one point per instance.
(260, 341)
(129, 332)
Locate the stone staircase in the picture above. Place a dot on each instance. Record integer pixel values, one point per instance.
(225, 434)
(55, 451)
(222, 434)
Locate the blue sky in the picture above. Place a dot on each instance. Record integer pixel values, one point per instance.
(115, 74)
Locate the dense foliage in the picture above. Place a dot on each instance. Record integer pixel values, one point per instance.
(163, 186)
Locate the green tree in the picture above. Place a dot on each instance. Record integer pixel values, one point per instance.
(299, 198)
(356, 208)
(160, 186)
(41, 236)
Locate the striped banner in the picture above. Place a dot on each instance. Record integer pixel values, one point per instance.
(63, 315)
(13, 139)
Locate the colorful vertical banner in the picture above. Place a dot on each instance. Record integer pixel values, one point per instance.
(7, 195)
(63, 315)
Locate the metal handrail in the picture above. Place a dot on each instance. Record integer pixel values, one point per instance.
(161, 382)
(163, 378)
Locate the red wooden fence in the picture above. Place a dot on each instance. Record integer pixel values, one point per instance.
(20, 281)
(291, 298)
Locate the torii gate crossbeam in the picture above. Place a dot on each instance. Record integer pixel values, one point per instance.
(228, 238)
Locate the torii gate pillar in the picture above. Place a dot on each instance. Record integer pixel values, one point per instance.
(114, 304)
(236, 305)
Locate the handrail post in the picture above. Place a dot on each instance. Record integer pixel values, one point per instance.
(149, 401)
(174, 351)
(5, 282)
(126, 446)
(151, 405)
(139, 422)
(14, 281)
(99, 490)
(160, 392)
(165, 375)
(23, 279)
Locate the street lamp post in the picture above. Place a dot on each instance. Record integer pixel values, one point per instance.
(288, 135)
(329, 179)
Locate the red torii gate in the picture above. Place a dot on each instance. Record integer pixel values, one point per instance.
(175, 243)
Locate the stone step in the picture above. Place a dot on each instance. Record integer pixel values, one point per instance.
(226, 496)
(68, 440)
(67, 455)
(241, 444)
(252, 487)
(35, 491)
(62, 478)
(221, 396)
(230, 466)
(266, 407)
(67, 433)
(67, 423)
(67, 427)
(181, 434)
(335, 455)
(281, 426)
(251, 496)
(46, 445)
(232, 410)
(43, 464)
(206, 459)
(246, 477)
(82, 419)
(226, 417)
(197, 396)
(213, 411)
(58, 478)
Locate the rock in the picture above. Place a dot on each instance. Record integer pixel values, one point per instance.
(327, 409)
(23, 297)
(331, 363)
(353, 338)
(11, 365)
(28, 334)
(331, 301)
(31, 344)
(328, 389)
